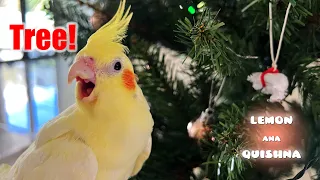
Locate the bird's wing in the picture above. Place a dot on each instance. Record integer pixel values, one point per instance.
(51, 130)
(142, 158)
(59, 159)
(55, 127)
(4, 170)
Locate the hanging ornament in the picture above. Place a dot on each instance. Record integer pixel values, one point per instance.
(271, 81)
(199, 128)
(98, 19)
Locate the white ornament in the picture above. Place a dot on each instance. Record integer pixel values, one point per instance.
(276, 84)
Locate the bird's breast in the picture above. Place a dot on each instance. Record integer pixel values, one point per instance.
(117, 143)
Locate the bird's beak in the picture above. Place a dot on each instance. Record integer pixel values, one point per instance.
(82, 68)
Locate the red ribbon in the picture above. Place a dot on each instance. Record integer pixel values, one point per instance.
(270, 70)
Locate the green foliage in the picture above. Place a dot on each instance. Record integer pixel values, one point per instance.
(295, 59)
(252, 24)
(154, 19)
(228, 144)
(209, 44)
(219, 41)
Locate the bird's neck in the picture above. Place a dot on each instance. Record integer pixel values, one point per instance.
(109, 105)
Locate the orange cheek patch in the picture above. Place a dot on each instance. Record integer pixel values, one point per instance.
(128, 79)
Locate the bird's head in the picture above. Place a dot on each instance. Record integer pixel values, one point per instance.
(102, 69)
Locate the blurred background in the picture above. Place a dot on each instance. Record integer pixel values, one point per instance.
(183, 51)
(29, 81)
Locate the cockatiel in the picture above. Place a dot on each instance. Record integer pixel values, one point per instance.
(106, 134)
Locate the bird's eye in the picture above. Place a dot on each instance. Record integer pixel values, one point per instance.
(117, 66)
(113, 68)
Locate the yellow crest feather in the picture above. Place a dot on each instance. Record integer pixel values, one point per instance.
(115, 30)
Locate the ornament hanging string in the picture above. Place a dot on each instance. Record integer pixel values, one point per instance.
(275, 59)
(213, 99)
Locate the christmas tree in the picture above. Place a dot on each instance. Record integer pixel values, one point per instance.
(221, 44)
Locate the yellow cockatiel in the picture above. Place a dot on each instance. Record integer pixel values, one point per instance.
(106, 135)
